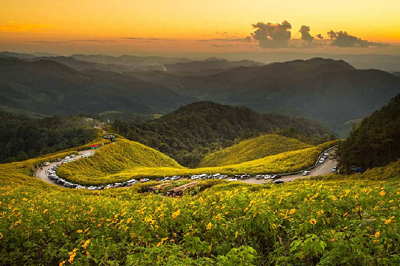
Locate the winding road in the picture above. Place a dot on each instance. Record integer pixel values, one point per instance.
(42, 175)
(321, 169)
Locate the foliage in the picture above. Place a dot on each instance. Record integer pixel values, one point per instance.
(24, 138)
(125, 160)
(309, 222)
(199, 128)
(376, 142)
(251, 149)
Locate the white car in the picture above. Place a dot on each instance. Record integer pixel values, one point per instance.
(267, 177)
(46, 164)
(322, 160)
(195, 177)
(232, 179)
(67, 157)
(306, 173)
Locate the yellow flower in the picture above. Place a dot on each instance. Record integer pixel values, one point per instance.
(79, 231)
(388, 221)
(292, 211)
(377, 234)
(383, 193)
(87, 254)
(176, 214)
(1, 235)
(313, 221)
(62, 263)
(209, 226)
(376, 241)
(236, 234)
(86, 244)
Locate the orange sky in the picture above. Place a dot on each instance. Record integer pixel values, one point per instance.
(103, 26)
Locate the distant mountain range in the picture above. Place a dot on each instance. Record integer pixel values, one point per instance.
(50, 88)
(329, 91)
(332, 92)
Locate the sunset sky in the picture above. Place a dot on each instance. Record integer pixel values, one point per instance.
(176, 26)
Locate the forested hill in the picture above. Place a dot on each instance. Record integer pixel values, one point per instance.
(192, 131)
(22, 137)
(376, 142)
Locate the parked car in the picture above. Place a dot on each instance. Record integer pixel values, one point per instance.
(258, 177)
(216, 175)
(67, 157)
(276, 176)
(46, 163)
(175, 178)
(144, 180)
(222, 176)
(245, 176)
(306, 173)
(232, 179)
(193, 177)
(267, 177)
(334, 169)
(322, 160)
(278, 182)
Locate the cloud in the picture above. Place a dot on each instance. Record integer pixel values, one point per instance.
(306, 36)
(343, 39)
(319, 36)
(272, 35)
(12, 26)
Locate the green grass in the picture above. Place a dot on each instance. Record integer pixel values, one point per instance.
(252, 149)
(335, 220)
(125, 160)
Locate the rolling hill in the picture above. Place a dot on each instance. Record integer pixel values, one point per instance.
(332, 92)
(125, 160)
(194, 130)
(50, 88)
(251, 149)
(115, 158)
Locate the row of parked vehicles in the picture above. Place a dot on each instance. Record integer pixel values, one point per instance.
(205, 176)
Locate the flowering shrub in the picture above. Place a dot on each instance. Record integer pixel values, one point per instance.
(309, 222)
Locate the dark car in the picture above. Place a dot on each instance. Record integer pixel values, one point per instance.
(278, 182)
(245, 177)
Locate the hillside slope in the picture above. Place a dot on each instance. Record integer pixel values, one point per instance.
(115, 158)
(50, 88)
(252, 149)
(194, 130)
(376, 141)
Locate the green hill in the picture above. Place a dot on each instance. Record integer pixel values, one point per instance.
(196, 129)
(126, 160)
(252, 149)
(376, 141)
(115, 158)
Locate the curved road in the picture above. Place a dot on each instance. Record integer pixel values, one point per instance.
(321, 169)
(42, 175)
